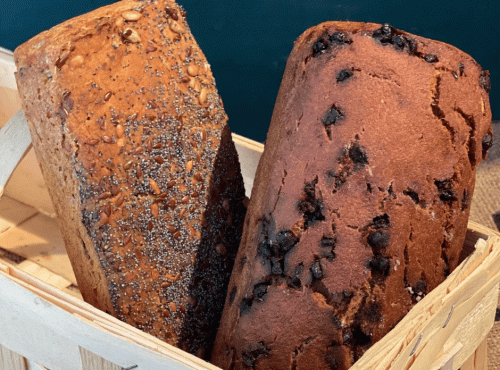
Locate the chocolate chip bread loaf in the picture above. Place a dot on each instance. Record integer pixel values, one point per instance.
(361, 198)
(135, 148)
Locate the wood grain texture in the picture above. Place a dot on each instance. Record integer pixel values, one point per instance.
(90, 361)
(10, 360)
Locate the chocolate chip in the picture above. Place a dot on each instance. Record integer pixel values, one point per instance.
(317, 270)
(445, 190)
(339, 39)
(310, 206)
(487, 143)
(384, 34)
(264, 248)
(357, 154)
(332, 117)
(251, 355)
(260, 291)
(485, 81)
(295, 282)
(413, 195)
(360, 338)
(380, 222)
(371, 313)
(461, 68)
(344, 75)
(420, 287)
(232, 295)
(400, 42)
(431, 58)
(379, 264)
(276, 266)
(333, 357)
(379, 240)
(329, 243)
(319, 47)
(286, 241)
(245, 305)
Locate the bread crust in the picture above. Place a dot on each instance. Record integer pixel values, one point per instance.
(361, 197)
(134, 146)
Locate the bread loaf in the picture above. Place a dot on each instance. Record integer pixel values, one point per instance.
(134, 145)
(361, 197)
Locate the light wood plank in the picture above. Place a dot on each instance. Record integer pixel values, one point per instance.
(13, 213)
(478, 360)
(90, 361)
(10, 360)
(15, 141)
(39, 240)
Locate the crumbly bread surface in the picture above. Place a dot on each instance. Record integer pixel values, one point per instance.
(135, 149)
(361, 198)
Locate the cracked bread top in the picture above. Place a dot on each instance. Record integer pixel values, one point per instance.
(134, 145)
(361, 198)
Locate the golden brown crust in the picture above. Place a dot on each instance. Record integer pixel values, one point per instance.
(361, 198)
(135, 148)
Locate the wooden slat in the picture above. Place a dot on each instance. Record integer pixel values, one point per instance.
(10, 360)
(479, 360)
(90, 361)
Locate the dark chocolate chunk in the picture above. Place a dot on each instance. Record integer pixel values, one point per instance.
(333, 116)
(413, 195)
(431, 58)
(276, 266)
(333, 357)
(295, 282)
(372, 312)
(380, 222)
(347, 336)
(485, 81)
(360, 338)
(310, 206)
(286, 241)
(245, 305)
(329, 242)
(420, 287)
(379, 264)
(264, 248)
(384, 34)
(232, 295)
(260, 291)
(461, 68)
(487, 143)
(339, 38)
(357, 154)
(320, 47)
(344, 75)
(317, 270)
(379, 240)
(251, 356)
(445, 190)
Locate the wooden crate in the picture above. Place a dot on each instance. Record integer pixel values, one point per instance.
(44, 324)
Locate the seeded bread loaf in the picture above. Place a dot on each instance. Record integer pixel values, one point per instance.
(134, 145)
(361, 198)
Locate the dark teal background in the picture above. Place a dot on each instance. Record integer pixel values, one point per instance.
(247, 42)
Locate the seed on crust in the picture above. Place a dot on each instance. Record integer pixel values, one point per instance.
(176, 27)
(154, 210)
(120, 130)
(128, 165)
(193, 70)
(203, 96)
(119, 201)
(131, 15)
(189, 166)
(131, 35)
(92, 141)
(150, 48)
(173, 307)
